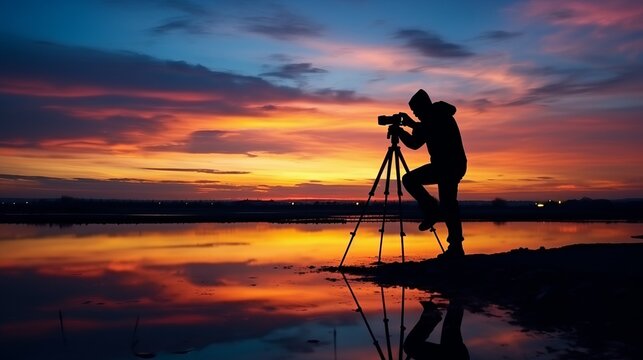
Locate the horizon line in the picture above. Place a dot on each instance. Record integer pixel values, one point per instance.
(303, 199)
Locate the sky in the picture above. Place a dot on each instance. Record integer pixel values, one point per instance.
(190, 99)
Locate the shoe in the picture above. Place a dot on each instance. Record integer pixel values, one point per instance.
(430, 310)
(427, 223)
(452, 253)
(428, 305)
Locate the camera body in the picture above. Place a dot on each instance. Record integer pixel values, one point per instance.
(385, 120)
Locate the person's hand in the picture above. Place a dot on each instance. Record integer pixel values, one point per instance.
(406, 120)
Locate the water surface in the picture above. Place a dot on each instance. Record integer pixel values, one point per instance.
(244, 291)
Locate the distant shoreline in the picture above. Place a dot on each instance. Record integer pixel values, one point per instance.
(92, 211)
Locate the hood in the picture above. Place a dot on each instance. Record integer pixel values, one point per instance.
(443, 108)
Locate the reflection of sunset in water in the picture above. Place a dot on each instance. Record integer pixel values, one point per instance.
(231, 288)
(123, 247)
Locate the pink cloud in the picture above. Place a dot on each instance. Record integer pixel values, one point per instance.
(589, 29)
(626, 14)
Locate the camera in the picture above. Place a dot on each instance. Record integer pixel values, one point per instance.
(385, 120)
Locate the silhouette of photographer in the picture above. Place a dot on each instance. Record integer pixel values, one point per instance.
(451, 346)
(439, 131)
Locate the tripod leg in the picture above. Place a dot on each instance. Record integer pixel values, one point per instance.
(402, 327)
(399, 198)
(386, 193)
(432, 229)
(387, 158)
(368, 326)
(399, 154)
(386, 328)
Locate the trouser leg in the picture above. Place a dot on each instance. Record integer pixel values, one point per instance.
(448, 191)
(415, 344)
(451, 333)
(451, 339)
(413, 183)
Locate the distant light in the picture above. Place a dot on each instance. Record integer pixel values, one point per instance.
(357, 203)
(540, 205)
(27, 202)
(159, 203)
(292, 203)
(560, 202)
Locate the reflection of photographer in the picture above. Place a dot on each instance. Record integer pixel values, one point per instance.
(451, 346)
(438, 130)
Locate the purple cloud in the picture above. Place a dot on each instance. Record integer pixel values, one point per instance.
(283, 25)
(230, 142)
(499, 35)
(431, 45)
(294, 71)
(53, 91)
(30, 121)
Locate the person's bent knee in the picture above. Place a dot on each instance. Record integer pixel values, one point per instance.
(408, 180)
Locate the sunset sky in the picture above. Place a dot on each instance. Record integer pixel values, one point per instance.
(190, 99)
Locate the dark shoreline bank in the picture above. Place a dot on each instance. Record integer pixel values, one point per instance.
(592, 293)
(87, 211)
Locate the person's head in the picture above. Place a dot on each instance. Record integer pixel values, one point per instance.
(420, 104)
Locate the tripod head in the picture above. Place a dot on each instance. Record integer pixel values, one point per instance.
(392, 133)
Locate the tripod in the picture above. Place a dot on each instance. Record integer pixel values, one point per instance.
(385, 320)
(393, 153)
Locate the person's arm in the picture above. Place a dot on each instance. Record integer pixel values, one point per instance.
(412, 141)
(408, 121)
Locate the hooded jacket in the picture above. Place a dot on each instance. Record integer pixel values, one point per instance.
(441, 135)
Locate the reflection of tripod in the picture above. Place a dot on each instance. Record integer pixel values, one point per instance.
(393, 151)
(385, 320)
